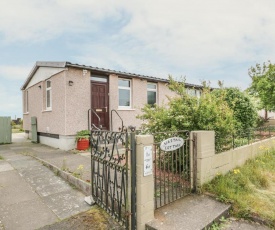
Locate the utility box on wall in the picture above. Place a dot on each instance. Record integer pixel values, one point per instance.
(5, 130)
(34, 129)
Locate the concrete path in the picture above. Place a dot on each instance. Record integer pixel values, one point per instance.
(31, 195)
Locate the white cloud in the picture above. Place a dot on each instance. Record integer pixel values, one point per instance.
(39, 20)
(10, 100)
(193, 38)
(14, 72)
(205, 32)
(201, 39)
(11, 79)
(189, 32)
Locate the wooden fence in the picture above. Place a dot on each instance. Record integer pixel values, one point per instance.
(5, 130)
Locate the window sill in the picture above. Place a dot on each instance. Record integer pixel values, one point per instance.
(27, 113)
(125, 109)
(47, 110)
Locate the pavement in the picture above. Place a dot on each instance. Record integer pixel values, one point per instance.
(33, 196)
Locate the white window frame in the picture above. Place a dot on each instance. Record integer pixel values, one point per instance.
(193, 92)
(50, 90)
(198, 93)
(152, 90)
(125, 88)
(26, 101)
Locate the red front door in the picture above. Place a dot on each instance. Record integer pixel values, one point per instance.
(100, 104)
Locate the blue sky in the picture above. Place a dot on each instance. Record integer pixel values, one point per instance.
(203, 40)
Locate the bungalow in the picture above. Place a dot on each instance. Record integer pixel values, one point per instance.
(66, 98)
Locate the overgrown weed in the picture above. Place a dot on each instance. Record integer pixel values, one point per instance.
(250, 188)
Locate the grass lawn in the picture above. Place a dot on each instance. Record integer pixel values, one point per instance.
(250, 189)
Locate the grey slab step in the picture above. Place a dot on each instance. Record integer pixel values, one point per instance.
(194, 212)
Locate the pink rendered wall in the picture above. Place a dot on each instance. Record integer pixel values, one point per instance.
(47, 121)
(164, 91)
(139, 99)
(70, 104)
(77, 100)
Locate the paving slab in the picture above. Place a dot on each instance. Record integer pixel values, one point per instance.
(66, 204)
(193, 212)
(43, 180)
(56, 186)
(5, 166)
(15, 157)
(14, 189)
(33, 171)
(8, 177)
(25, 162)
(21, 148)
(5, 150)
(31, 214)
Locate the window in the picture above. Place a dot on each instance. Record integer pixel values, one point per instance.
(98, 78)
(48, 95)
(151, 93)
(198, 93)
(26, 102)
(124, 92)
(192, 92)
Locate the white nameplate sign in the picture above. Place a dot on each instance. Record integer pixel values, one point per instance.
(148, 161)
(171, 144)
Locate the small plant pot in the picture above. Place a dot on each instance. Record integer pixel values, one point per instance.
(83, 144)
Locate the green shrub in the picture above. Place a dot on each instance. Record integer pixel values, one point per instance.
(186, 112)
(244, 111)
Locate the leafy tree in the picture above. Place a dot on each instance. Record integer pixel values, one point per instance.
(186, 112)
(13, 123)
(263, 85)
(244, 111)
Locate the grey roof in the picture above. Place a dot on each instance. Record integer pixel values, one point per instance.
(96, 70)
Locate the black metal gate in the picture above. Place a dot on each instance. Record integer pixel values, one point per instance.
(111, 154)
(171, 169)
